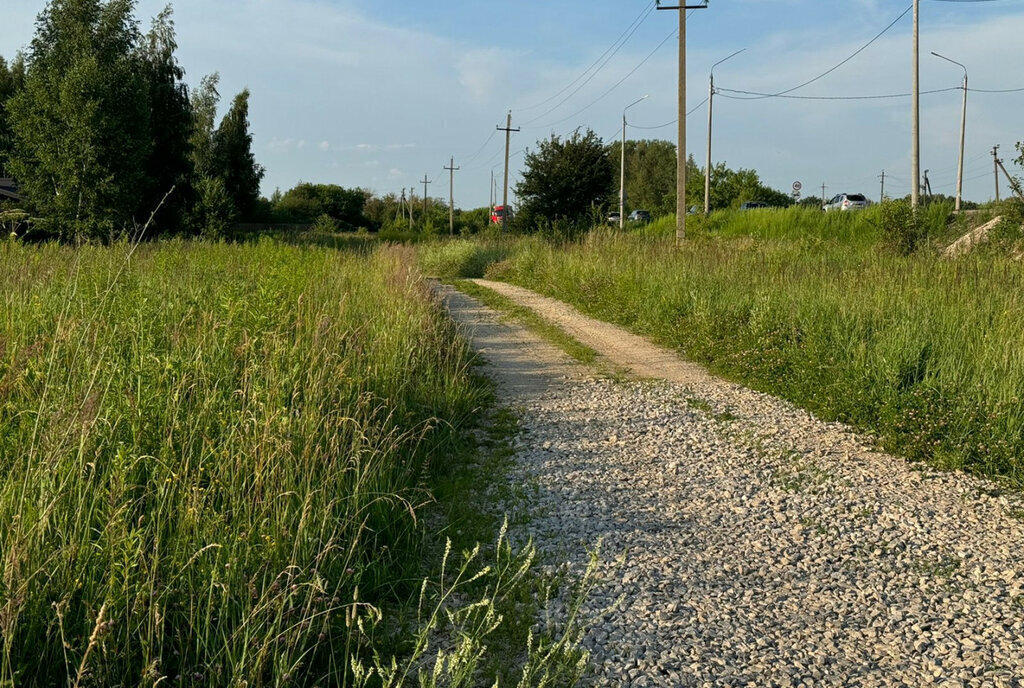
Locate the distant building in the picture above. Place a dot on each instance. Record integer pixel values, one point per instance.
(9, 190)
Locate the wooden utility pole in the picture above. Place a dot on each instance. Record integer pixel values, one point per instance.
(425, 182)
(508, 138)
(881, 196)
(451, 196)
(823, 187)
(1014, 186)
(681, 133)
(995, 168)
(915, 119)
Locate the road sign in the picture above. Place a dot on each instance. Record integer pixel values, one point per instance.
(797, 186)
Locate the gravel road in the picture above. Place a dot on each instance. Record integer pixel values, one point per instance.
(751, 544)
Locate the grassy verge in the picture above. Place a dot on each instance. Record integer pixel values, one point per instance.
(923, 351)
(212, 461)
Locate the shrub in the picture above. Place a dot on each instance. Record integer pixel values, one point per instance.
(902, 227)
(325, 223)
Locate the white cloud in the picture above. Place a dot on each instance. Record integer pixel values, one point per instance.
(324, 145)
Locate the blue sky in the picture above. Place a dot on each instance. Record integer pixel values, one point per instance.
(377, 94)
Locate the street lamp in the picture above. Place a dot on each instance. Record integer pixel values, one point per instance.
(963, 134)
(707, 167)
(622, 167)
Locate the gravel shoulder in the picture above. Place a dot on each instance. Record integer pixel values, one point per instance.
(750, 543)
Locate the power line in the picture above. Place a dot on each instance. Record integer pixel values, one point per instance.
(694, 109)
(755, 95)
(996, 90)
(595, 73)
(481, 148)
(640, 17)
(855, 54)
(617, 84)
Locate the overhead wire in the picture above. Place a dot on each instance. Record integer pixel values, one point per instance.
(746, 95)
(643, 15)
(834, 68)
(595, 73)
(674, 33)
(606, 93)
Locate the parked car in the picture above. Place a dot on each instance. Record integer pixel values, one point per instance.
(751, 205)
(613, 218)
(846, 202)
(643, 216)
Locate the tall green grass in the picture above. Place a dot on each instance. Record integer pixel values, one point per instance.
(211, 456)
(862, 227)
(923, 351)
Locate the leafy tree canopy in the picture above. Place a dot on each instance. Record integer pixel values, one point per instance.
(565, 180)
(306, 202)
(12, 80)
(233, 160)
(650, 175)
(81, 122)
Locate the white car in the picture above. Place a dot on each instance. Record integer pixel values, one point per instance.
(846, 202)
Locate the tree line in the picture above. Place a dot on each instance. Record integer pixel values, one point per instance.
(102, 134)
(573, 181)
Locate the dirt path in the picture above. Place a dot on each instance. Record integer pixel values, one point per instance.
(751, 543)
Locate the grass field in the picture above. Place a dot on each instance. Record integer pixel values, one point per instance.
(923, 351)
(211, 461)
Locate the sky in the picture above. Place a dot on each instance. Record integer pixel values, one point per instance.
(379, 95)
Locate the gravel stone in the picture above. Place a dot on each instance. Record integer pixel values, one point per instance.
(751, 543)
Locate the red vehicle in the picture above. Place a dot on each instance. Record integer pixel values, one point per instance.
(498, 214)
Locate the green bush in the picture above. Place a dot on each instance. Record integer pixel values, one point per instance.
(902, 227)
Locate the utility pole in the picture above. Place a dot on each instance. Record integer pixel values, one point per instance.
(451, 196)
(622, 167)
(926, 185)
(1014, 186)
(681, 134)
(881, 196)
(915, 131)
(823, 187)
(963, 135)
(995, 168)
(508, 138)
(425, 182)
(707, 164)
(491, 189)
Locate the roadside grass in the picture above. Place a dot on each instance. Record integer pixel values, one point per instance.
(796, 223)
(213, 462)
(922, 351)
(452, 259)
(465, 501)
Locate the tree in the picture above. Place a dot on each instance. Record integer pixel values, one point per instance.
(306, 202)
(204, 116)
(232, 158)
(12, 80)
(650, 175)
(81, 123)
(565, 180)
(731, 188)
(169, 164)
